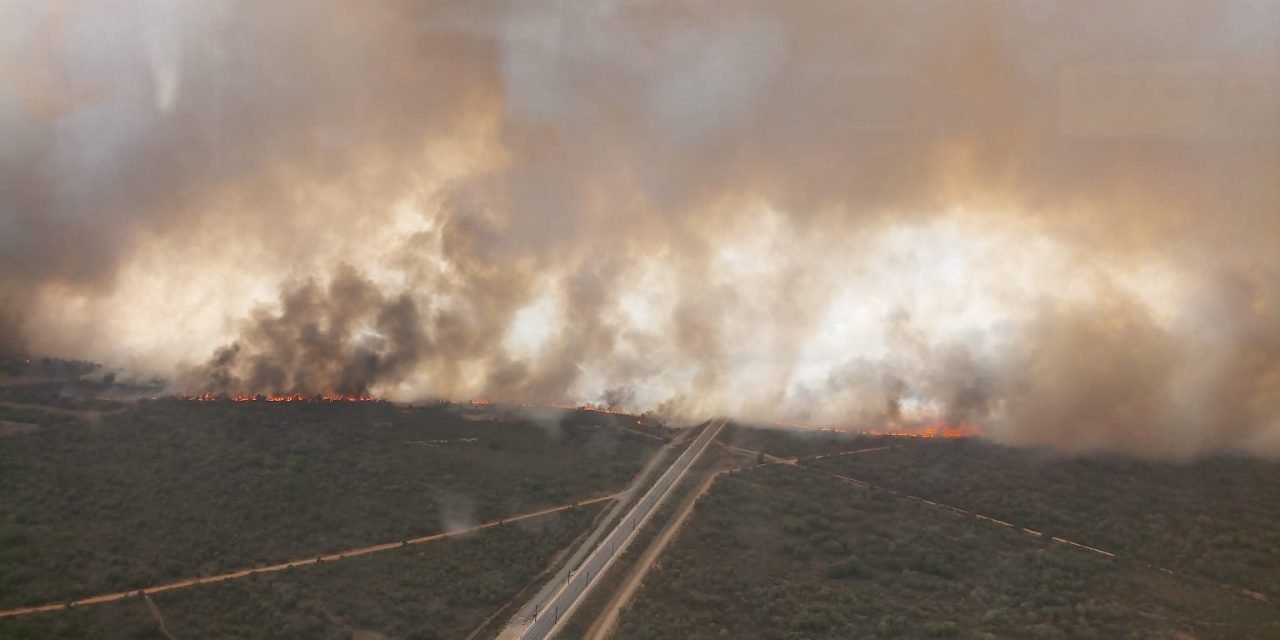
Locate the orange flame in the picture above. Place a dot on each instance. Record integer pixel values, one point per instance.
(597, 408)
(282, 397)
(939, 428)
(592, 408)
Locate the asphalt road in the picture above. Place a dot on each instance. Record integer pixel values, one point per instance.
(553, 613)
(625, 499)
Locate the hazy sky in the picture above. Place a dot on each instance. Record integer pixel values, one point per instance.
(1058, 220)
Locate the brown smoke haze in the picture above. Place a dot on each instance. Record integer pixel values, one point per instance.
(1057, 220)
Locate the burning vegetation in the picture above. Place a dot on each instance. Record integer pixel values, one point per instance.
(937, 429)
(588, 407)
(280, 397)
(1070, 243)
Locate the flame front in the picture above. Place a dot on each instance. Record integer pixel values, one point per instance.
(281, 397)
(589, 407)
(939, 428)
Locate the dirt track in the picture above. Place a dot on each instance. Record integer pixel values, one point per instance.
(351, 553)
(155, 613)
(1253, 595)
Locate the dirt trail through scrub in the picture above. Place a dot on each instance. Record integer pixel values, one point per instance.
(341, 555)
(155, 613)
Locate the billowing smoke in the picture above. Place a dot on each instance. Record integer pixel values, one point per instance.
(1059, 221)
(340, 339)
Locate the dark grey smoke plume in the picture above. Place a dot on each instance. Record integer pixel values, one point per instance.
(1058, 221)
(342, 339)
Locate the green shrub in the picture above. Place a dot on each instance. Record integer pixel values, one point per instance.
(850, 567)
(946, 629)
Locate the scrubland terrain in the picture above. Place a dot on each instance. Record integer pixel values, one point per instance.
(789, 551)
(439, 590)
(811, 535)
(104, 495)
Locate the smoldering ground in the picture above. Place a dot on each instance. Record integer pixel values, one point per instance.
(1058, 220)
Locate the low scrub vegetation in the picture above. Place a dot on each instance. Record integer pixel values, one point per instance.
(171, 489)
(785, 553)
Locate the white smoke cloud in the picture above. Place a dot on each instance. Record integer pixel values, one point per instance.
(1055, 220)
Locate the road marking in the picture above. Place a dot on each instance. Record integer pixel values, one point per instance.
(603, 626)
(610, 547)
(601, 526)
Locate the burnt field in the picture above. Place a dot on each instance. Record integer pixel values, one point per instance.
(785, 552)
(128, 495)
